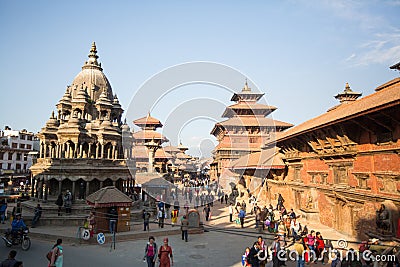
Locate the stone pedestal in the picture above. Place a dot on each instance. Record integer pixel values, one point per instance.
(310, 214)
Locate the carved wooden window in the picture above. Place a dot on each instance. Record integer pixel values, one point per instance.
(340, 175)
(296, 174)
(362, 180)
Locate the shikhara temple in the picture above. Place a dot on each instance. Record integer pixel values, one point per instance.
(85, 146)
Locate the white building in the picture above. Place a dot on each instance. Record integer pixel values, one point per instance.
(16, 149)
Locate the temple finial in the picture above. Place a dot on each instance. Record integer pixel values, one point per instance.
(93, 56)
(246, 87)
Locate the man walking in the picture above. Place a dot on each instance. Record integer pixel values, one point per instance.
(10, 261)
(242, 215)
(185, 228)
(207, 211)
(230, 213)
(146, 220)
(38, 214)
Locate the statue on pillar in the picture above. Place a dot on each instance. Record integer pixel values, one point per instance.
(383, 219)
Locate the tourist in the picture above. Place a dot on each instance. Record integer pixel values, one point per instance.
(150, 252)
(295, 228)
(243, 205)
(146, 220)
(207, 211)
(165, 255)
(275, 248)
(263, 248)
(230, 212)
(280, 202)
(252, 257)
(113, 218)
(68, 202)
(92, 223)
(292, 214)
(242, 215)
(3, 210)
(282, 230)
(245, 256)
(57, 256)
(226, 199)
(10, 261)
(59, 203)
(37, 215)
(299, 248)
(185, 228)
(311, 238)
(319, 247)
(19, 264)
(161, 217)
(186, 207)
(174, 216)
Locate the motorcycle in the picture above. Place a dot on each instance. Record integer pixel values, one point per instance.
(19, 238)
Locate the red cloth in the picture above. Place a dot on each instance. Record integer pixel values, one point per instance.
(164, 255)
(398, 229)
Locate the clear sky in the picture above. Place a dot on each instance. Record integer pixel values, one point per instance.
(300, 53)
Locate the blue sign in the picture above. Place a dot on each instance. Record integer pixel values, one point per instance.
(101, 238)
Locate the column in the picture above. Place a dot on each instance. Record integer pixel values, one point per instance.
(87, 188)
(102, 151)
(68, 151)
(113, 152)
(40, 189)
(101, 184)
(59, 187)
(81, 150)
(73, 189)
(151, 160)
(89, 153)
(41, 150)
(46, 190)
(33, 184)
(57, 151)
(114, 183)
(45, 151)
(109, 152)
(97, 151)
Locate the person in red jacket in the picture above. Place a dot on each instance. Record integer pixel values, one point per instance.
(319, 247)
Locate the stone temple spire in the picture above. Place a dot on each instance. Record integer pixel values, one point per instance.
(92, 61)
(246, 87)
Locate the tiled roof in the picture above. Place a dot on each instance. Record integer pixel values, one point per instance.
(149, 134)
(384, 97)
(266, 159)
(140, 152)
(171, 149)
(253, 121)
(247, 105)
(162, 154)
(107, 197)
(148, 120)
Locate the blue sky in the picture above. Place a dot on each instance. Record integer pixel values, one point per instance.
(300, 53)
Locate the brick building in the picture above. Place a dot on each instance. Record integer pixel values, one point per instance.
(345, 163)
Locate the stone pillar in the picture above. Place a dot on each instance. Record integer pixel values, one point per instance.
(45, 151)
(97, 151)
(87, 188)
(59, 187)
(68, 151)
(80, 150)
(109, 153)
(57, 151)
(33, 184)
(101, 184)
(73, 189)
(89, 151)
(114, 182)
(113, 152)
(46, 190)
(151, 160)
(40, 189)
(41, 150)
(102, 151)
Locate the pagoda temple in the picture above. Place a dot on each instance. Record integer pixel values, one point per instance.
(147, 151)
(81, 144)
(245, 131)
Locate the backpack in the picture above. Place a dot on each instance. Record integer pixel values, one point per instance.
(50, 254)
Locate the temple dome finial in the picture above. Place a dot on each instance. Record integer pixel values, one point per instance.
(246, 87)
(347, 95)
